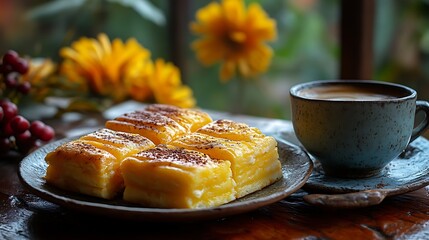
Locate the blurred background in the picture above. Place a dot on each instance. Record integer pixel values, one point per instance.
(307, 47)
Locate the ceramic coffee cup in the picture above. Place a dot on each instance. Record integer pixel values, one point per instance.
(355, 128)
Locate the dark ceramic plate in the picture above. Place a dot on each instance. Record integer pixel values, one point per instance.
(296, 167)
(408, 172)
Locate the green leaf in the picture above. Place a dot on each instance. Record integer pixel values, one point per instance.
(145, 9)
(54, 7)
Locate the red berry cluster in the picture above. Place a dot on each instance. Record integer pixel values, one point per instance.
(11, 68)
(16, 132)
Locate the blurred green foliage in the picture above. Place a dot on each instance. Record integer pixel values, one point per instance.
(40, 28)
(401, 44)
(307, 47)
(303, 51)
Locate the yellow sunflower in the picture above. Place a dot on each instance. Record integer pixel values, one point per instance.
(106, 67)
(235, 36)
(139, 88)
(162, 80)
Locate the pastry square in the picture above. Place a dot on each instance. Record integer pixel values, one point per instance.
(153, 125)
(160, 123)
(231, 130)
(120, 144)
(81, 167)
(172, 177)
(91, 164)
(191, 119)
(254, 157)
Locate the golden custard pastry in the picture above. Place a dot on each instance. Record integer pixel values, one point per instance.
(172, 177)
(90, 165)
(160, 123)
(120, 144)
(254, 158)
(155, 126)
(167, 157)
(231, 130)
(190, 119)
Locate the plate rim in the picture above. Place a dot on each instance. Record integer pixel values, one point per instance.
(161, 214)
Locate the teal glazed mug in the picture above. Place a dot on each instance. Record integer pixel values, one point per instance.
(356, 127)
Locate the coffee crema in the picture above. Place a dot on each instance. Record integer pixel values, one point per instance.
(347, 93)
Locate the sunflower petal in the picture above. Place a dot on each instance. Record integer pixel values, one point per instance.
(235, 36)
(107, 67)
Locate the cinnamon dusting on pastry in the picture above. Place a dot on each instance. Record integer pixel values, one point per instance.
(206, 142)
(117, 137)
(224, 125)
(235, 130)
(145, 117)
(81, 148)
(169, 110)
(163, 153)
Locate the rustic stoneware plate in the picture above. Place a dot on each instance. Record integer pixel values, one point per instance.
(408, 172)
(296, 167)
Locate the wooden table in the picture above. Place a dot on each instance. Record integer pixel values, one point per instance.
(26, 216)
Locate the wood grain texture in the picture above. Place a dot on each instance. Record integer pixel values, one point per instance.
(26, 216)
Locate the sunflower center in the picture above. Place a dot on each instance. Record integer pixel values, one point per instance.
(236, 39)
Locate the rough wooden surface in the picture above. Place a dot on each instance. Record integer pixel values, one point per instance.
(25, 216)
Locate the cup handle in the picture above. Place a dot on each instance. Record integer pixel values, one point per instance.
(417, 131)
